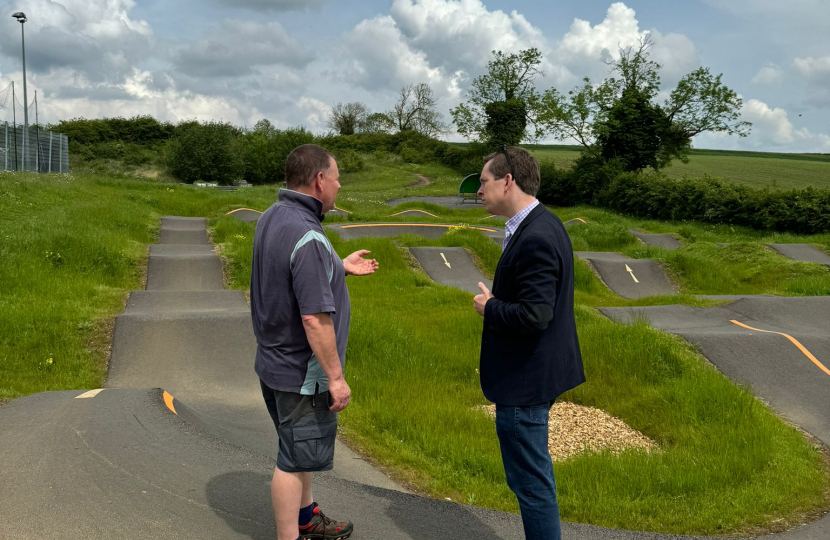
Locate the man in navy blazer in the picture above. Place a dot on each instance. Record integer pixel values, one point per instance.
(529, 347)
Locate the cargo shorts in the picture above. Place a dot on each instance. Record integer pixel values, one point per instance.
(306, 428)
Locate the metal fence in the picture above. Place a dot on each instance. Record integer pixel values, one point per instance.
(33, 150)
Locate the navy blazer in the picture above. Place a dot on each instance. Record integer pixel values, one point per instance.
(529, 347)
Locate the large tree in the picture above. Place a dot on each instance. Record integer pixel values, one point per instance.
(620, 119)
(416, 110)
(378, 123)
(500, 105)
(348, 118)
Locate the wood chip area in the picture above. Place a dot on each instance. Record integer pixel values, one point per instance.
(574, 429)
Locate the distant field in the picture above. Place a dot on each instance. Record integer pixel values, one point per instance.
(755, 169)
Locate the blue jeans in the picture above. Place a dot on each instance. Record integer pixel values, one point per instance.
(523, 437)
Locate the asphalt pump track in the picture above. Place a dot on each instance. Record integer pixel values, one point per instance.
(351, 231)
(629, 278)
(132, 461)
(665, 241)
(802, 252)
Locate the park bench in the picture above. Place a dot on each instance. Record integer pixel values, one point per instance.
(469, 187)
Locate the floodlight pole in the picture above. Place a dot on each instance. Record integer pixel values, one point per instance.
(14, 123)
(21, 18)
(37, 137)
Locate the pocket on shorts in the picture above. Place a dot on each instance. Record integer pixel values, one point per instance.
(314, 445)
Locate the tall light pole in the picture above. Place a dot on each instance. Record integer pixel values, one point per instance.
(21, 18)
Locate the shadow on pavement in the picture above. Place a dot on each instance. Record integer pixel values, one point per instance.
(243, 500)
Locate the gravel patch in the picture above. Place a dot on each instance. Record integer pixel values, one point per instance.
(574, 429)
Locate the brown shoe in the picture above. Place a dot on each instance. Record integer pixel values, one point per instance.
(326, 528)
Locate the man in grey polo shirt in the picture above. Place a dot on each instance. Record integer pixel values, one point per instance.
(300, 309)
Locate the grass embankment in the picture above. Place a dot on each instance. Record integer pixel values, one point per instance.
(70, 249)
(754, 169)
(727, 464)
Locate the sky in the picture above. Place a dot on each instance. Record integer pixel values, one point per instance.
(289, 61)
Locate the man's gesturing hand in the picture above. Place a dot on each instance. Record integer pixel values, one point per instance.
(481, 299)
(356, 265)
(341, 394)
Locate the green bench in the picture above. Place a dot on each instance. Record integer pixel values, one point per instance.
(469, 187)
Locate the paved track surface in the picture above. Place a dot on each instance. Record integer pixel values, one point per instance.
(802, 252)
(350, 231)
(630, 278)
(771, 364)
(245, 214)
(194, 339)
(665, 241)
(124, 463)
(448, 202)
(414, 213)
(451, 266)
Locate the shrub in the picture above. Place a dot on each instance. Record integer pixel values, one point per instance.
(137, 130)
(263, 153)
(653, 195)
(205, 152)
(349, 161)
(556, 186)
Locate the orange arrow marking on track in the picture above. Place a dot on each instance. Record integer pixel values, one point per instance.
(168, 400)
(794, 341)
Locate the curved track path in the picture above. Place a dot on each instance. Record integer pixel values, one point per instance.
(132, 462)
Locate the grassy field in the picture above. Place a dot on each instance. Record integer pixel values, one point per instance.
(755, 169)
(73, 247)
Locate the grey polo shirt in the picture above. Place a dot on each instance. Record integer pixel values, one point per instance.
(294, 272)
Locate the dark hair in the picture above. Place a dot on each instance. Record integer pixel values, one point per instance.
(525, 168)
(303, 164)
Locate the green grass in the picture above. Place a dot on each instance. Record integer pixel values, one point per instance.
(71, 247)
(726, 463)
(754, 169)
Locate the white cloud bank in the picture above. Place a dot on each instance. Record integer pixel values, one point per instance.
(94, 58)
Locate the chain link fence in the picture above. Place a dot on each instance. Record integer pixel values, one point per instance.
(33, 150)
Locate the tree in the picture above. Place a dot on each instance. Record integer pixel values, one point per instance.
(205, 152)
(416, 110)
(347, 118)
(633, 131)
(619, 119)
(509, 81)
(265, 149)
(378, 123)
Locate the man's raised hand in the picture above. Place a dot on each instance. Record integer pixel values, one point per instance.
(356, 265)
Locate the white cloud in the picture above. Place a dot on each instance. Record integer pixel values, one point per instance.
(239, 48)
(772, 129)
(462, 35)
(274, 5)
(95, 37)
(770, 75)
(813, 68)
(314, 113)
(816, 71)
(584, 49)
(378, 57)
(440, 42)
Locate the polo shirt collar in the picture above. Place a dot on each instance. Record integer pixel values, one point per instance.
(295, 199)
